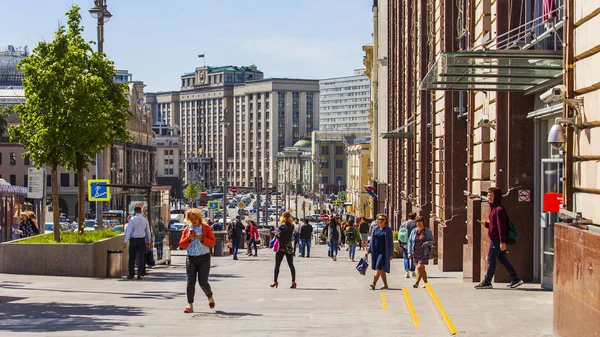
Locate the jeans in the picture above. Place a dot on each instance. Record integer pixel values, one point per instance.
(304, 247)
(137, 248)
(235, 242)
(351, 250)
(198, 266)
(159, 249)
(494, 253)
(290, 261)
(333, 248)
(409, 264)
(250, 244)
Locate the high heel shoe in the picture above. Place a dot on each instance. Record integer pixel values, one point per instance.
(189, 309)
(293, 285)
(211, 302)
(274, 285)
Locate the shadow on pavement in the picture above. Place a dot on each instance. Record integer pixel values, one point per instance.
(52, 317)
(317, 289)
(224, 314)
(144, 294)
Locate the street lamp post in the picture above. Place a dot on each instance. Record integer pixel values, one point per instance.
(102, 14)
(225, 123)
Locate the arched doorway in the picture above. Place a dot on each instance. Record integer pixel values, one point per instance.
(64, 207)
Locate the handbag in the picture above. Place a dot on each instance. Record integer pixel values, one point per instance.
(276, 245)
(433, 252)
(150, 258)
(272, 242)
(363, 265)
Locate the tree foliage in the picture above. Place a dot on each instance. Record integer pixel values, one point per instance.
(191, 191)
(73, 108)
(5, 112)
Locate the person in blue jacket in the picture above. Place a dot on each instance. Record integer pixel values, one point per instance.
(381, 248)
(419, 243)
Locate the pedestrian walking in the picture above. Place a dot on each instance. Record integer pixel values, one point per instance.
(352, 239)
(381, 248)
(419, 243)
(159, 236)
(200, 240)
(306, 232)
(285, 235)
(406, 229)
(34, 223)
(137, 234)
(254, 236)
(334, 233)
(498, 230)
(296, 234)
(247, 231)
(363, 228)
(236, 232)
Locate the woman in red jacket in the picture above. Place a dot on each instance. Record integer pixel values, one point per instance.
(253, 237)
(198, 238)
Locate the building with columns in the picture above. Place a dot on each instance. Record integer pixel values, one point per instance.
(359, 167)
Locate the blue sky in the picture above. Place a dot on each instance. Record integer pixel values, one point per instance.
(159, 40)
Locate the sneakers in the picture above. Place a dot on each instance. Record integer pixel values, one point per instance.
(484, 285)
(515, 283)
(407, 275)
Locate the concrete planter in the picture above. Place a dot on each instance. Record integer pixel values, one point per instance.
(80, 260)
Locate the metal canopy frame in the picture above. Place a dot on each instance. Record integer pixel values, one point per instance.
(505, 70)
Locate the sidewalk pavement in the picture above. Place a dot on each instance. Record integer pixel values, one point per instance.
(332, 299)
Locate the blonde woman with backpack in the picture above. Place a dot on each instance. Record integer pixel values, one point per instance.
(403, 236)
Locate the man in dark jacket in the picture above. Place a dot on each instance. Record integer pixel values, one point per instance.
(306, 232)
(363, 228)
(498, 229)
(236, 235)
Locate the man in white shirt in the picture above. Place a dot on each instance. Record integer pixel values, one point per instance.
(138, 236)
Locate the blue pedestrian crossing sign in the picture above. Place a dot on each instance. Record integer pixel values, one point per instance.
(216, 205)
(97, 190)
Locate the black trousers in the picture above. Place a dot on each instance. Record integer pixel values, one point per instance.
(198, 267)
(290, 261)
(137, 248)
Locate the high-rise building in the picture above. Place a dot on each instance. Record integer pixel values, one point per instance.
(345, 102)
(206, 97)
(270, 115)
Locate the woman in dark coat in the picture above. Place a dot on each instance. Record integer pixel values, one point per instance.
(381, 248)
(419, 243)
(286, 248)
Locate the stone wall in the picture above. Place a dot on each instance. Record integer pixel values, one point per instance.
(576, 281)
(80, 260)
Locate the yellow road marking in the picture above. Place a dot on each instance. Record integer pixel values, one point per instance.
(411, 309)
(383, 302)
(441, 310)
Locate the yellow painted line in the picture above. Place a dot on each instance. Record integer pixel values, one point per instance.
(383, 302)
(441, 310)
(411, 309)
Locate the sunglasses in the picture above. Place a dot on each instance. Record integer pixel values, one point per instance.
(381, 219)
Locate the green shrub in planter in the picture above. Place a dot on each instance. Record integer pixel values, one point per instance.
(72, 237)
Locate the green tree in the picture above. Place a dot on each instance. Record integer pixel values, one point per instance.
(191, 192)
(73, 108)
(5, 112)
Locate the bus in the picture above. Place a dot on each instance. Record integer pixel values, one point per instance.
(114, 217)
(215, 196)
(203, 199)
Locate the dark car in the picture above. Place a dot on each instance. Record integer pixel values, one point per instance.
(242, 211)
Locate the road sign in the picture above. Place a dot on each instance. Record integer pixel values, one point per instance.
(35, 183)
(215, 204)
(253, 211)
(234, 189)
(325, 217)
(268, 196)
(241, 204)
(524, 195)
(97, 190)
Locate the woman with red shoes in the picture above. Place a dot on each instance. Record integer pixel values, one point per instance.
(285, 234)
(197, 238)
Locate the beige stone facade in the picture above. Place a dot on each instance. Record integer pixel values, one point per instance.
(359, 155)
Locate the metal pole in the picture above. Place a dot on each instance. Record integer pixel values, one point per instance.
(99, 156)
(257, 200)
(225, 123)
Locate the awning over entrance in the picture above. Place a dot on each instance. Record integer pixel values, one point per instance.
(403, 132)
(496, 70)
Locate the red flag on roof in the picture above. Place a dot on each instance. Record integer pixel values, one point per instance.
(548, 10)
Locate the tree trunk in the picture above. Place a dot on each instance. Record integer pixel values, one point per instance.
(55, 204)
(80, 200)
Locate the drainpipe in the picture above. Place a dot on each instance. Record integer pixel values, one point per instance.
(568, 79)
(374, 87)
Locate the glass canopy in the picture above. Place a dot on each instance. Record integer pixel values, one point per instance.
(498, 70)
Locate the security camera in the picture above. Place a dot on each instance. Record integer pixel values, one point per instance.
(556, 94)
(485, 122)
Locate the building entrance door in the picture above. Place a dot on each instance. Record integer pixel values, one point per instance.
(552, 171)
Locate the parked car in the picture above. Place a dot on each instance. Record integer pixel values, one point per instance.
(176, 227)
(243, 211)
(118, 228)
(314, 218)
(318, 228)
(48, 227)
(89, 225)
